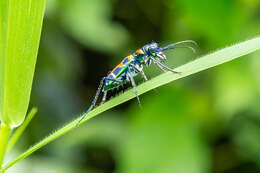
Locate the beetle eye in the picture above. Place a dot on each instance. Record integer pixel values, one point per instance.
(152, 48)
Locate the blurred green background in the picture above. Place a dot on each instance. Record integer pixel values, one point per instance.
(205, 123)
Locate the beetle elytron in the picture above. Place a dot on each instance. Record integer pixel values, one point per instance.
(131, 65)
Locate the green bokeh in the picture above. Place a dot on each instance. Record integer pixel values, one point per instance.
(206, 123)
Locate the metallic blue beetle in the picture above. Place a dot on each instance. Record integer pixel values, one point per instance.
(131, 65)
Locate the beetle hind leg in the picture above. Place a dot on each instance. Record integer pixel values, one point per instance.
(93, 101)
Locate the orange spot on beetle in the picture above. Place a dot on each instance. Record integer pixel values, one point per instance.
(139, 51)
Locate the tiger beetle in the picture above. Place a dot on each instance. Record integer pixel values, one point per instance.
(131, 65)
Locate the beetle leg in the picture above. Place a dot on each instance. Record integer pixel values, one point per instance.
(164, 66)
(134, 86)
(94, 100)
(104, 97)
(160, 67)
(136, 67)
(144, 76)
(139, 70)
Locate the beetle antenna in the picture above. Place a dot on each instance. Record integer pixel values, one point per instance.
(189, 47)
(171, 46)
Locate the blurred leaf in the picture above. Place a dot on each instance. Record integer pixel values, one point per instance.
(200, 64)
(103, 133)
(44, 164)
(163, 137)
(20, 29)
(106, 131)
(255, 64)
(245, 134)
(58, 73)
(235, 89)
(219, 20)
(90, 23)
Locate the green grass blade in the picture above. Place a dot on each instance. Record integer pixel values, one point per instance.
(20, 28)
(5, 132)
(200, 64)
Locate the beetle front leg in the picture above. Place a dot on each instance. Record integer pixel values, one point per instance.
(164, 66)
(131, 78)
(104, 97)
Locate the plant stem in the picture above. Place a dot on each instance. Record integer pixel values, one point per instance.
(21, 129)
(5, 132)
